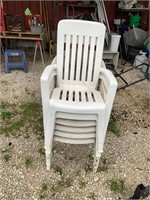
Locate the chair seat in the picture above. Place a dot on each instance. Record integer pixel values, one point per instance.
(79, 99)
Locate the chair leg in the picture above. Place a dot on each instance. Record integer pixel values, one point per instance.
(100, 137)
(48, 133)
(48, 159)
(96, 160)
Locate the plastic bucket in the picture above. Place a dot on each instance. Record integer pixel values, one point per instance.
(135, 20)
(114, 40)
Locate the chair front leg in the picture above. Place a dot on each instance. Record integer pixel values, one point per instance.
(49, 133)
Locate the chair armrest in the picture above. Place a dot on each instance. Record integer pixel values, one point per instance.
(107, 85)
(48, 81)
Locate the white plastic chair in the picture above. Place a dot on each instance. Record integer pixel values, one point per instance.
(77, 90)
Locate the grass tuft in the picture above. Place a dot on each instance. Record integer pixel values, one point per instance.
(6, 157)
(27, 116)
(117, 186)
(28, 162)
(43, 191)
(112, 126)
(58, 169)
(92, 196)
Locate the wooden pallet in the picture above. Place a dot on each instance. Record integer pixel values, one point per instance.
(26, 35)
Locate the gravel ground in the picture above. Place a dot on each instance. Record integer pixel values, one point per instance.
(126, 158)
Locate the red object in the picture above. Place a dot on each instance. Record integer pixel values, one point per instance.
(38, 42)
(2, 22)
(28, 18)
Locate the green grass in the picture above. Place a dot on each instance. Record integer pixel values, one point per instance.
(92, 196)
(12, 127)
(41, 151)
(43, 191)
(104, 166)
(82, 184)
(117, 186)
(69, 157)
(57, 186)
(22, 116)
(89, 167)
(7, 152)
(6, 157)
(28, 162)
(5, 113)
(78, 173)
(112, 126)
(61, 184)
(148, 158)
(58, 170)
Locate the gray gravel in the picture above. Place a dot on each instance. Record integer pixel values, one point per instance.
(127, 156)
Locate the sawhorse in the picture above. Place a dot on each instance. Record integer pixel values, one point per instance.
(38, 43)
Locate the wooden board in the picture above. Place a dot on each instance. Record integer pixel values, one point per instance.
(27, 35)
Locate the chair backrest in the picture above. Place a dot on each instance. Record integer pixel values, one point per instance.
(79, 51)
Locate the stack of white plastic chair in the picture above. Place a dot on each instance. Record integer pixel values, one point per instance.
(78, 91)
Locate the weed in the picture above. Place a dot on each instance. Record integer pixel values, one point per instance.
(28, 108)
(88, 168)
(92, 196)
(41, 151)
(6, 114)
(58, 170)
(82, 184)
(13, 127)
(117, 186)
(7, 152)
(78, 173)
(90, 156)
(148, 158)
(23, 115)
(56, 187)
(112, 126)
(3, 106)
(104, 166)
(69, 157)
(6, 157)
(44, 189)
(68, 182)
(28, 162)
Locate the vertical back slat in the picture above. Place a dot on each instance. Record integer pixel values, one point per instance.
(73, 57)
(67, 56)
(79, 57)
(60, 51)
(85, 58)
(91, 59)
(98, 57)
